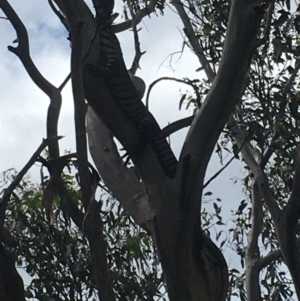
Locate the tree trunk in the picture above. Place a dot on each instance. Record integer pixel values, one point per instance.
(11, 283)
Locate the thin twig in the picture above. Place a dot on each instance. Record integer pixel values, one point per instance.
(194, 41)
(138, 54)
(174, 79)
(24, 170)
(57, 12)
(218, 172)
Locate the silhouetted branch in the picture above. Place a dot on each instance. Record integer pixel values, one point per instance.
(194, 41)
(252, 250)
(257, 171)
(173, 79)
(268, 259)
(8, 191)
(176, 126)
(219, 172)
(267, 28)
(138, 17)
(138, 54)
(79, 101)
(293, 206)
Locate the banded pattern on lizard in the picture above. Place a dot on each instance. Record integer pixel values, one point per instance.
(114, 73)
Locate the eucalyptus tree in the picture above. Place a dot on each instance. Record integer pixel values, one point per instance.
(247, 95)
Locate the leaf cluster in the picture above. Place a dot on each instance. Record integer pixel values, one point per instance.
(58, 260)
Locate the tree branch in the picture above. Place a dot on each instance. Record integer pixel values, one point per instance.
(288, 87)
(172, 79)
(244, 22)
(267, 28)
(79, 101)
(57, 13)
(12, 286)
(252, 250)
(92, 224)
(268, 259)
(256, 218)
(93, 228)
(176, 126)
(8, 191)
(193, 40)
(259, 175)
(218, 172)
(138, 54)
(292, 209)
(138, 17)
(116, 176)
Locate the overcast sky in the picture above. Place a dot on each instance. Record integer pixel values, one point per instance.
(24, 106)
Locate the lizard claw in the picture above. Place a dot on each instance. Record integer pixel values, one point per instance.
(126, 157)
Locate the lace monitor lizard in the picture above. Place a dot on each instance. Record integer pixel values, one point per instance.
(112, 69)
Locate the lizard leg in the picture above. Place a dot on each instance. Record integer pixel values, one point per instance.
(145, 133)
